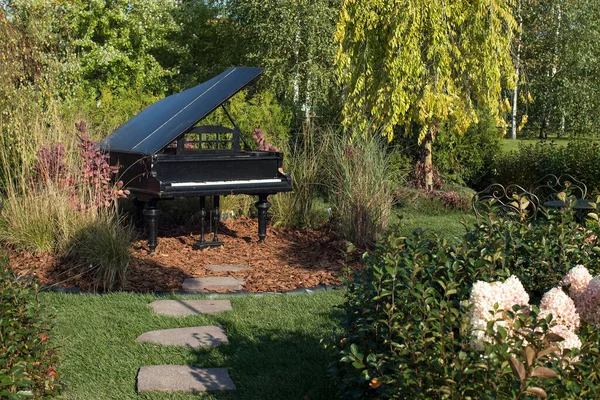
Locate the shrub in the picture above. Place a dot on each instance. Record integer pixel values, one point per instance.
(538, 252)
(464, 159)
(542, 345)
(101, 248)
(257, 111)
(304, 161)
(44, 208)
(469, 158)
(408, 331)
(530, 163)
(363, 184)
(28, 359)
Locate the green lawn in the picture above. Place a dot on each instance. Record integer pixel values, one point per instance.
(449, 224)
(417, 210)
(274, 350)
(510, 145)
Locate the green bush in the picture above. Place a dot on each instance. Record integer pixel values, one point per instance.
(530, 163)
(257, 111)
(468, 158)
(464, 159)
(27, 359)
(407, 330)
(538, 252)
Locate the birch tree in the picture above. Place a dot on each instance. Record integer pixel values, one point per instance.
(417, 63)
(293, 39)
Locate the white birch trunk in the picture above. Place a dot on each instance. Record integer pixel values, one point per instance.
(514, 125)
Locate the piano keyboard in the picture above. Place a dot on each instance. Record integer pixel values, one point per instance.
(223, 183)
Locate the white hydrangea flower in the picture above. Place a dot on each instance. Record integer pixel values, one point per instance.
(562, 308)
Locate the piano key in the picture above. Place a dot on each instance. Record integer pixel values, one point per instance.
(219, 183)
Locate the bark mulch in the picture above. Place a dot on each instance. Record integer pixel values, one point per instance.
(289, 259)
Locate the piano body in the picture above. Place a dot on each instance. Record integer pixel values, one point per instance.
(163, 153)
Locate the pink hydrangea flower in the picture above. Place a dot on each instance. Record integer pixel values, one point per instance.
(589, 302)
(562, 308)
(577, 279)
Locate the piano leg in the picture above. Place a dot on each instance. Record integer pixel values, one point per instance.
(139, 213)
(151, 213)
(201, 244)
(263, 207)
(202, 218)
(216, 219)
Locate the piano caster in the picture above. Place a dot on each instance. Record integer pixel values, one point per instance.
(216, 218)
(263, 207)
(151, 214)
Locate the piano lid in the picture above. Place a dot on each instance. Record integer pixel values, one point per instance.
(162, 122)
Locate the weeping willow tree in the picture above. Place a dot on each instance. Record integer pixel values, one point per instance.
(418, 63)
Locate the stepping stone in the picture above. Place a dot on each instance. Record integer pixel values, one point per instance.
(212, 283)
(182, 308)
(194, 337)
(228, 268)
(182, 378)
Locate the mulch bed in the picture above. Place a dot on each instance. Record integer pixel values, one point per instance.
(289, 259)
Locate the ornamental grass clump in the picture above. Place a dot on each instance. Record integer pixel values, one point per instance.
(60, 190)
(363, 180)
(305, 159)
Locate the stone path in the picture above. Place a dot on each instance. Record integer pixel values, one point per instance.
(182, 378)
(185, 378)
(194, 337)
(212, 283)
(183, 308)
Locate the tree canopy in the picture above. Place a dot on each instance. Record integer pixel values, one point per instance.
(421, 62)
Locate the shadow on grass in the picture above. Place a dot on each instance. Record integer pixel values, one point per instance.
(271, 365)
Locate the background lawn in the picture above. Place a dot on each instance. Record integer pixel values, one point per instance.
(274, 350)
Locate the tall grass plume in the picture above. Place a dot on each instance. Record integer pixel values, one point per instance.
(363, 181)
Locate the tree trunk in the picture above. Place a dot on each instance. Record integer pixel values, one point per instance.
(517, 65)
(428, 164)
(427, 142)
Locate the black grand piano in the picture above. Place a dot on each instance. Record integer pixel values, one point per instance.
(164, 152)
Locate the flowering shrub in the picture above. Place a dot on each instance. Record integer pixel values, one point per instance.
(261, 142)
(496, 304)
(538, 252)
(549, 332)
(500, 297)
(410, 331)
(585, 291)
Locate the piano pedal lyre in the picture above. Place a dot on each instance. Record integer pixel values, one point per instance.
(215, 216)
